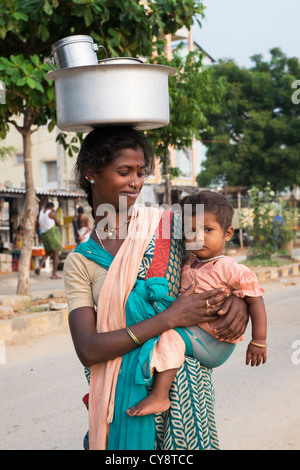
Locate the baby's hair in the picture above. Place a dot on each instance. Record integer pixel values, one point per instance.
(214, 203)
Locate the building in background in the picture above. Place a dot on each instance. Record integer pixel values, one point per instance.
(51, 166)
(52, 176)
(189, 160)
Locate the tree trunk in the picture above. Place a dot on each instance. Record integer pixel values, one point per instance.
(29, 219)
(167, 179)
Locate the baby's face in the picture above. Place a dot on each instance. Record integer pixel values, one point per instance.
(205, 238)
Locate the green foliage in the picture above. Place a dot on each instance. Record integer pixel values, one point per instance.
(193, 91)
(175, 172)
(124, 27)
(28, 93)
(262, 228)
(273, 223)
(70, 142)
(285, 224)
(6, 152)
(255, 137)
(262, 261)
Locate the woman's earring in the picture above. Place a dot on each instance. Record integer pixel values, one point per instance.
(90, 181)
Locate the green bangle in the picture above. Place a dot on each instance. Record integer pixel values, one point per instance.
(132, 336)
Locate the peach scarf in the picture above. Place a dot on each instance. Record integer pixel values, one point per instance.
(111, 316)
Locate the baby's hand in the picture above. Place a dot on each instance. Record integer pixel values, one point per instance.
(256, 354)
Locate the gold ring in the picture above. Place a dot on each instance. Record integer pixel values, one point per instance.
(208, 304)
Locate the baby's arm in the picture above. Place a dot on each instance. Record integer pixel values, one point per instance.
(257, 348)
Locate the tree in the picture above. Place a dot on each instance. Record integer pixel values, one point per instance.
(30, 95)
(125, 27)
(194, 93)
(30, 27)
(255, 137)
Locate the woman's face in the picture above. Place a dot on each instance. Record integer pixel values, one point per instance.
(114, 183)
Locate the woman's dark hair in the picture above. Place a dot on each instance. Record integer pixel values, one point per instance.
(214, 203)
(80, 211)
(101, 146)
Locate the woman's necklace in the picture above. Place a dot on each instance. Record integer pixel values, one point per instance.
(206, 260)
(110, 233)
(100, 241)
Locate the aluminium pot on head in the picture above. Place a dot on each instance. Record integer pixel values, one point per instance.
(122, 91)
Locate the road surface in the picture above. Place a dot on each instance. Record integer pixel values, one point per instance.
(42, 383)
(259, 407)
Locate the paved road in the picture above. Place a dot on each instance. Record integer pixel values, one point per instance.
(259, 407)
(41, 387)
(42, 383)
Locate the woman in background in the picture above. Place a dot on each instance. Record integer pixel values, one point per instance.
(48, 224)
(81, 226)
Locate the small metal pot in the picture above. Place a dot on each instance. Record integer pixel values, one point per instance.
(115, 91)
(74, 51)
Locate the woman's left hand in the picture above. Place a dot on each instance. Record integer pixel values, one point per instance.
(233, 320)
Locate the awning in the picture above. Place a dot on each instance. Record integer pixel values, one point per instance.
(5, 192)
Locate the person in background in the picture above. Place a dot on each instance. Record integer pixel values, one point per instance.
(81, 226)
(49, 224)
(18, 238)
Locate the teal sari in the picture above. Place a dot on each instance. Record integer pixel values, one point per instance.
(189, 423)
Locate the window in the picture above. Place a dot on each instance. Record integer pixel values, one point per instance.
(19, 158)
(50, 174)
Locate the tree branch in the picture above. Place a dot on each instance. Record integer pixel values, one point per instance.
(19, 128)
(16, 93)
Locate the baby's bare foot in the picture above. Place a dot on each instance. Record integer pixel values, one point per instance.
(149, 405)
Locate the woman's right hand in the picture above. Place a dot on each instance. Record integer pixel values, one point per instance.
(190, 309)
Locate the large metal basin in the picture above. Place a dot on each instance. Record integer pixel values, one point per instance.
(121, 91)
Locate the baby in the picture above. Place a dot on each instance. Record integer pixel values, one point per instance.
(209, 268)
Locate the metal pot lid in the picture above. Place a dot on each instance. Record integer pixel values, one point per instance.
(70, 39)
(120, 60)
(58, 74)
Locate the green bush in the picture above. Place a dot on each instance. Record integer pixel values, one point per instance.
(273, 223)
